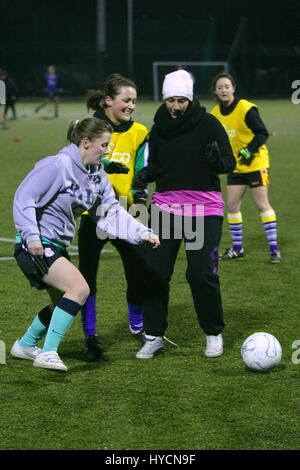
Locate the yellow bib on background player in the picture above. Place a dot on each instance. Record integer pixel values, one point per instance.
(240, 136)
(122, 149)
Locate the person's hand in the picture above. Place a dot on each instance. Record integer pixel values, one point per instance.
(140, 180)
(245, 156)
(212, 154)
(35, 248)
(152, 239)
(115, 167)
(140, 197)
(36, 252)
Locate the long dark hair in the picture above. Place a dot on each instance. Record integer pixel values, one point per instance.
(88, 127)
(112, 88)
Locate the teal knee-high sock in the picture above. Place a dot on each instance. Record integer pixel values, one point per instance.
(62, 318)
(37, 328)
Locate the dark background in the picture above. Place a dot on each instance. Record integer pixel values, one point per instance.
(261, 39)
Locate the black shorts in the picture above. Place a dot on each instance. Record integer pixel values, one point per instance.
(29, 269)
(253, 179)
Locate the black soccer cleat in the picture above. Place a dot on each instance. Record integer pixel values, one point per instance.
(275, 257)
(137, 333)
(94, 348)
(230, 253)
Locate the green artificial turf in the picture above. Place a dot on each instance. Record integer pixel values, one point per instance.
(180, 399)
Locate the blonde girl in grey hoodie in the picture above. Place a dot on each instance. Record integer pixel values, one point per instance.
(46, 206)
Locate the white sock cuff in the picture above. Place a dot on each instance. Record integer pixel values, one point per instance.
(269, 213)
(234, 216)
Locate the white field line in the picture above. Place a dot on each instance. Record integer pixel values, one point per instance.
(12, 240)
(71, 253)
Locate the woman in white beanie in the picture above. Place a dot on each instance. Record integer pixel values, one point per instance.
(188, 148)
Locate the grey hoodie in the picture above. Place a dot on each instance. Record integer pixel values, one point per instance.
(59, 189)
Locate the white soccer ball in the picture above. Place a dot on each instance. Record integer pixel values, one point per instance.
(261, 351)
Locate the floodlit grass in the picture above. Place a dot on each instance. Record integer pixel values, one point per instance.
(180, 399)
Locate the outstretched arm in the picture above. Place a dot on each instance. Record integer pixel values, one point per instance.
(113, 220)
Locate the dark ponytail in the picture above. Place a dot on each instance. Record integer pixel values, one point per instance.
(112, 88)
(94, 98)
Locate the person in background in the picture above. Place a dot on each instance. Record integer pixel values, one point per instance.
(46, 205)
(11, 95)
(51, 87)
(188, 148)
(3, 126)
(127, 154)
(247, 134)
(2, 101)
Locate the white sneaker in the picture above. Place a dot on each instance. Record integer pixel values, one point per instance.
(24, 353)
(214, 346)
(150, 348)
(50, 360)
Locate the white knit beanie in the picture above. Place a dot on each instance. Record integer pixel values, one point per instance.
(179, 83)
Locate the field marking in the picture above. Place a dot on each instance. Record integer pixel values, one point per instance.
(10, 258)
(12, 240)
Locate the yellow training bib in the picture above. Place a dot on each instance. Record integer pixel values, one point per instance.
(240, 136)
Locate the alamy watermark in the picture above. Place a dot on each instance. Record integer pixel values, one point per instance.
(2, 352)
(296, 354)
(184, 221)
(296, 94)
(2, 92)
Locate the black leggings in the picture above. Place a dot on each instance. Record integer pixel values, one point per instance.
(201, 274)
(90, 247)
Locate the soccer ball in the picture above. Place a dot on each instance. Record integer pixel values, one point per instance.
(261, 351)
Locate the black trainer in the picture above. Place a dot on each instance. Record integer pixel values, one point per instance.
(94, 348)
(138, 334)
(230, 253)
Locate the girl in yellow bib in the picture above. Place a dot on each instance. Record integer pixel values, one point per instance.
(127, 154)
(247, 134)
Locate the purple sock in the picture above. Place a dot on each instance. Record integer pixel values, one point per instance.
(135, 317)
(274, 248)
(88, 316)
